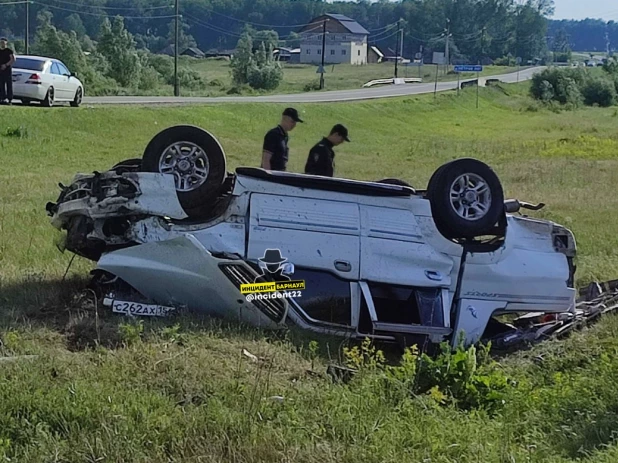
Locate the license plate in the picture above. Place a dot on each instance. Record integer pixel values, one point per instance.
(138, 309)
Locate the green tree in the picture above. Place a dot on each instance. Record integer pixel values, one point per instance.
(185, 40)
(118, 47)
(258, 69)
(242, 59)
(74, 23)
(53, 43)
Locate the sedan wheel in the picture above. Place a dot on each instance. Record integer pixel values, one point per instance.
(78, 98)
(49, 98)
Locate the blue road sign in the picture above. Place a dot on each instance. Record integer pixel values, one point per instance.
(468, 68)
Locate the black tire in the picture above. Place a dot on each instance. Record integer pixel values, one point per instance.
(79, 94)
(128, 165)
(48, 102)
(206, 192)
(449, 222)
(394, 181)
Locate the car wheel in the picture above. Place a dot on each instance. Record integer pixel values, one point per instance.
(78, 98)
(49, 98)
(466, 197)
(128, 165)
(196, 160)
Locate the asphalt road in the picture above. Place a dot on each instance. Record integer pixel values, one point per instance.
(385, 91)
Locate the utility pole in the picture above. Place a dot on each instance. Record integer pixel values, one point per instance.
(27, 41)
(446, 50)
(176, 86)
(323, 52)
(398, 49)
(482, 44)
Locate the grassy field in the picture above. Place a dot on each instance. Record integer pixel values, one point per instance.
(216, 76)
(108, 389)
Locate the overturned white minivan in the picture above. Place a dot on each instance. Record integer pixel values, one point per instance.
(336, 256)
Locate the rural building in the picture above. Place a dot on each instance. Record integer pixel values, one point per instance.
(374, 55)
(346, 41)
(193, 52)
(291, 55)
(215, 53)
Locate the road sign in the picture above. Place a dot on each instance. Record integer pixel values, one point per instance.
(438, 58)
(518, 60)
(468, 68)
(320, 70)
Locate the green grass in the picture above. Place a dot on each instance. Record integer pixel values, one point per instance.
(159, 393)
(216, 74)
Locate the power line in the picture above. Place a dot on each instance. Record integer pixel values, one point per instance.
(128, 8)
(99, 14)
(211, 27)
(389, 28)
(387, 37)
(291, 26)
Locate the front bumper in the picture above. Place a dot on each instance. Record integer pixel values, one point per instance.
(181, 272)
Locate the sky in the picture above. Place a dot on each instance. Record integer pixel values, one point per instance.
(580, 9)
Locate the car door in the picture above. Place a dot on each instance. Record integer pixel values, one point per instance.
(59, 82)
(405, 281)
(311, 233)
(393, 250)
(320, 238)
(70, 84)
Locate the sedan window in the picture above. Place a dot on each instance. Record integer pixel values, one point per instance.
(30, 64)
(63, 69)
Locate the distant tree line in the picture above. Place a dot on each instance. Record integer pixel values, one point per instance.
(477, 29)
(586, 35)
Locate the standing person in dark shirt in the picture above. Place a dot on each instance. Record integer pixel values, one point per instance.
(7, 58)
(321, 159)
(275, 149)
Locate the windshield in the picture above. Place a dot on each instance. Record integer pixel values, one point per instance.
(30, 64)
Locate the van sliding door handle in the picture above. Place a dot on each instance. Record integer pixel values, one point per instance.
(343, 266)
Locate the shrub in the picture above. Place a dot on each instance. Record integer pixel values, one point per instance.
(164, 66)
(149, 78)
(466, 378)
(313, 85)
(266, 77)
(508, 60)
(600, 91)
(191, 79)
(560, 85)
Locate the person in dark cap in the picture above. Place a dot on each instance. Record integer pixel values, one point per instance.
(321, 159)
(7, 58)
(275, 150)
